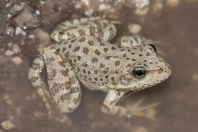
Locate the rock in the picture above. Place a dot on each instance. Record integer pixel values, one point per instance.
(172, 3)
(27, 18)
(20, 31)
(134, 28)
(17, 60)
(16, 49)
(9, 53)
(7, 125)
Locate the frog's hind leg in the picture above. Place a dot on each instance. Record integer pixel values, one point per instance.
(63, 84)
(36, 80)
(97, 27)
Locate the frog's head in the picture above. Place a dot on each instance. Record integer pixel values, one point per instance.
(148, 70)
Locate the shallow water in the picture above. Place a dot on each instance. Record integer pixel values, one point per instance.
(177, 97)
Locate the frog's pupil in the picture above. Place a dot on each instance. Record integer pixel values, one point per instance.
(139, 72)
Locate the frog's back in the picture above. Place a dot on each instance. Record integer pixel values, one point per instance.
(97, 62)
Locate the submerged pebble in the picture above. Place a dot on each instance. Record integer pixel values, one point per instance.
(7, 125)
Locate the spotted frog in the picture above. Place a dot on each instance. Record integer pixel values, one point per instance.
(82, 52)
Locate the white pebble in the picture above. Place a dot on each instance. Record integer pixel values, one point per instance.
(7, 125)
(102, 7)
(37, 12)
(42, 2)
(19, 31)
(17, 60)
(16, 49)
(9, 53)
(31, 36)
(172, 3)
(89, 12)
(18, 7)
(134, 28)
(10, 31)
(141, 3)
(86, 2)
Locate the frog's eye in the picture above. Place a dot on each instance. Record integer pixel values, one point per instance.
(139, 72)
(153, 46)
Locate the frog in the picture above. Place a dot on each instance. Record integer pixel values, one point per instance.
(83, 54)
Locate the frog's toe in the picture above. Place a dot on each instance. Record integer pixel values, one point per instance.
(139, 110)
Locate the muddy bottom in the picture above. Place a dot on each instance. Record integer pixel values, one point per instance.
(175, 28)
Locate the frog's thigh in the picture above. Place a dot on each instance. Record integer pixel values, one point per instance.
(63, 84)
(64, 29)
(109, 105)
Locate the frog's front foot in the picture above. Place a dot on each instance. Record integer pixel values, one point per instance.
(139, 110)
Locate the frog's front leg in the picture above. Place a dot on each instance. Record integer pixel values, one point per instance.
(135, 110)
(109, 105)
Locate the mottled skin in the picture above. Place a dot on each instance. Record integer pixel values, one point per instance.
(82, 53)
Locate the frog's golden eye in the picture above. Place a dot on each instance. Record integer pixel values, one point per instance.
(139, 72)
(153, 46)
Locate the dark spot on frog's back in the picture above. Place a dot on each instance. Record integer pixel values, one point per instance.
(105, 49)
(82, 39)
(97, 52)
(76, 49)
(94, 60)
(108, 57)
(106, 70)
(102, 65)
(92, 30)
(85, 50)
(117, 62)
(113, 47)
(63, 49)
(81, 32)
(148, 54)
(140, 55)
(102, 44)
(91, 42)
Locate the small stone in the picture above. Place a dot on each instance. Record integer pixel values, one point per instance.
(7, 125)
(17, 60)
(9, 53)
(31, 36)
(43, 36)
(19, 7)
(37, 12)
(195, 77)
(134, 28)
(157, 8)
(141, 129)
(19, 31)
(10, 31)
(42, 2)
(102, 7)
(86, 2)
(16, 49)
(141, 7)
(78, 6)
(89, 12)
(27, 18)
(172, 3)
